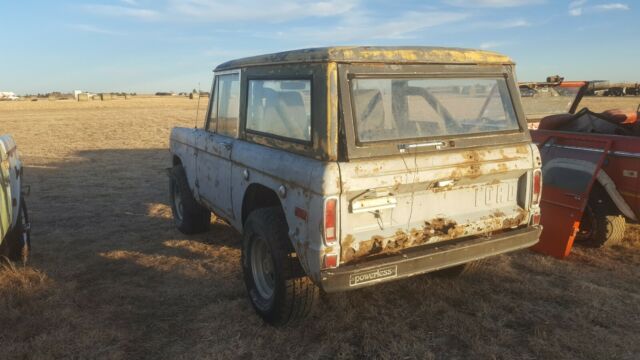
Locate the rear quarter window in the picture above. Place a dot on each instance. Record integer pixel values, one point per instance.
(281, 108)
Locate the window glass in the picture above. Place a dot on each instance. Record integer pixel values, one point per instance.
(405, 108)
(545, 100)
(280, 107)
(211, 123)
(228, 89)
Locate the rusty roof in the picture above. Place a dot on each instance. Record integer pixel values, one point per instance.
(374, 54)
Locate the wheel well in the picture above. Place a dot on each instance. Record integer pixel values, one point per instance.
(176, 160)
(256, 197)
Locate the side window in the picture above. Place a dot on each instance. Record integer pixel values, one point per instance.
(212, 121)
(225, 105)
(280, 107)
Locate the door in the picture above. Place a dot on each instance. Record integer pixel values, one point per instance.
(6, 209)
(214, 158)
(443, 177)
(570, 165)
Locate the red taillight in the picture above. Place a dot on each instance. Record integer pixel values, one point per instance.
(330, 261)
(537, 187)
(535, 219)
(330, 221)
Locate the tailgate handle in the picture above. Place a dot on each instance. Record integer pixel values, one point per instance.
(444, 183)
(372, 203)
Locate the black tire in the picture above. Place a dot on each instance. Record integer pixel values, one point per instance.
(292, 292)
(189, 216)
(16, 246)
(461, 270)
(602, 224)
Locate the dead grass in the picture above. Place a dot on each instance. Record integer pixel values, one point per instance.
(111, 277)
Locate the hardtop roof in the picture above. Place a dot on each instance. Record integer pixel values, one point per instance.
(373, 54)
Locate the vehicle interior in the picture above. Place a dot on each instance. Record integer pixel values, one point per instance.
(612, 122)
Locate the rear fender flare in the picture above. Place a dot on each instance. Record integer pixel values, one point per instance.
(603, 179)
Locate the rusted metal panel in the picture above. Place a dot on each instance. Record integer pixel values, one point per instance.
(372, 54)
(410, 262)
(436, 197)
(307, 183)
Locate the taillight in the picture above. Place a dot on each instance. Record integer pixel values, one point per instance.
(535, 219)
(537, 187)
(330, 261)
(330, 221)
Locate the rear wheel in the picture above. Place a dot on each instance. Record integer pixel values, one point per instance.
(278, 288)
(189, 216)
(17, 244)
(602, 223)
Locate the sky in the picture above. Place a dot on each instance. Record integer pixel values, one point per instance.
(173, 45)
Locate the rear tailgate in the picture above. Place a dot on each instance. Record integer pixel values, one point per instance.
(408, 200)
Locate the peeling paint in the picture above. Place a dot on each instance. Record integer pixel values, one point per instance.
(434, 230)
(388, 55)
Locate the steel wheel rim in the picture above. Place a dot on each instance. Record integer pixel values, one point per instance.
(262, 268)
(177, 201)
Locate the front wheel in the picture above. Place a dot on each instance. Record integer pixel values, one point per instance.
(17, 244)
(278, 288)
(189, 216)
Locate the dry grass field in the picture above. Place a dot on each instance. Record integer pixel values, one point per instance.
(110, 277)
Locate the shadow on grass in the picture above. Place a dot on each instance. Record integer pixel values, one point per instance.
(122, 282)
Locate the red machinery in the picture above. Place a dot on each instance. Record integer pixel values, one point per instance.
(590, 164)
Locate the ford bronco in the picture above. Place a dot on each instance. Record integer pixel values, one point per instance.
(346, 167)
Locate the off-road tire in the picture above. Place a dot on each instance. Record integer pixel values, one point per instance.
(189, 216)
(293, 292)
(16, 245)
(461, 270)
(602, 224)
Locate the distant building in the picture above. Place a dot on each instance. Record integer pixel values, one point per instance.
(8, 95)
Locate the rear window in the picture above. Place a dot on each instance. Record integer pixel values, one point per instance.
(281, 108)
(387, 109)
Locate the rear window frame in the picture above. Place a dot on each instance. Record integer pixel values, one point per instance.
(424, 77)
(355, 149)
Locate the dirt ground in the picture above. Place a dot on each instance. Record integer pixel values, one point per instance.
(110, 277)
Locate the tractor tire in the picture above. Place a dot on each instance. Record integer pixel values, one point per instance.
(16, 246)
(602, 224)
(189, 216)
(278, 287)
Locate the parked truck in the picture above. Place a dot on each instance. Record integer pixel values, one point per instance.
(346, 167)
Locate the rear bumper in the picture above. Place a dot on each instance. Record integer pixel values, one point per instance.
(425, 259)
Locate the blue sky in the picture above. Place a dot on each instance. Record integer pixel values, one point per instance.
(172, 45)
